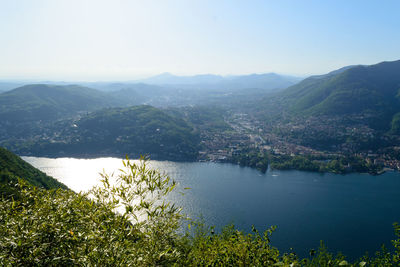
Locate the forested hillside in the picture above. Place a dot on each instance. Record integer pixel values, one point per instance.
(135, 131)
(42, 102)
(13, 167)
(370, 90)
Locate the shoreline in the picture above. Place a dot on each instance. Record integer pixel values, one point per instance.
(111, 155)
(105, 155)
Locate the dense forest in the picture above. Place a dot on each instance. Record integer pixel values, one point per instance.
(113, 132)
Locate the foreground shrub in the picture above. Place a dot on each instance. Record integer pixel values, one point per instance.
(60, 227)
(128, 222)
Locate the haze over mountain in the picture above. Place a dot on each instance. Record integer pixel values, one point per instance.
(168, 78)
(9, 85)
(262, 81)
(166, 90)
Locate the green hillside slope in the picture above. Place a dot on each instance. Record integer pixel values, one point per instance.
(41, 102)
(359, 89)
(119, 131)
(13, 167)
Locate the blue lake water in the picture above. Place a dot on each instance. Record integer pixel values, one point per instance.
(350, 213)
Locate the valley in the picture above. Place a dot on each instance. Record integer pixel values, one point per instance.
(281, 129)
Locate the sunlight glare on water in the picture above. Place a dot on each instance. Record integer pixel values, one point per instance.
(352, 213)
(77, 174)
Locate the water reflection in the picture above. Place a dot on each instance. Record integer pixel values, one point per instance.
(351, 213)
(77, 174)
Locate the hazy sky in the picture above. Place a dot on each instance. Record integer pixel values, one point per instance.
(110, 40)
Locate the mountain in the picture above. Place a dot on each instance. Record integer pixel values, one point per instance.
(169, 79)
(210, 81)
(135, 131)
(138, 93)
(231, 92)
(372, 90)
(9, 85)
(48, 102)
(13, 167)
(267, 81)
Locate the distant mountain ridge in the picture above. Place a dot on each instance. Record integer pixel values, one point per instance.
(264, 81)
(168, 78)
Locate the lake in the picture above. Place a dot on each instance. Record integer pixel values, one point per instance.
(351, 213)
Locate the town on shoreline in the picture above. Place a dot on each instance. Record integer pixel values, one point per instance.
(256, 144)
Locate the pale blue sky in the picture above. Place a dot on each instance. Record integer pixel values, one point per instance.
(122, 40)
